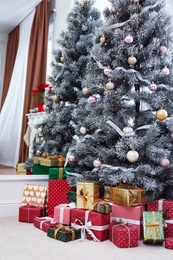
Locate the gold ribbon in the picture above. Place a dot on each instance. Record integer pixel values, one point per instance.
(102, 203)
(60, 171)
(64, 228)
(84, 195)
(152, 228)
(60, 158)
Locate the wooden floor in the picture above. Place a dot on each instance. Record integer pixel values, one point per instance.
(5, 170)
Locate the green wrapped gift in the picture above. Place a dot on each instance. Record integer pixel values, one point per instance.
(40, 169)
(153, 227)
(63, 233)
(71, 196)
(103, 207)
(59, 173)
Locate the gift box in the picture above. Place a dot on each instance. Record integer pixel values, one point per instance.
(21, 169)
(59, 173)
(87, 192)
(126, 195)
(131, 215)
(57, 194)
(166, 207)
(48, 160)
(153, 227)
(34, 195)
(62, 213)
(123, 235)
(44, 223)
(169, 242)
(40, 169)
(28, 213)
(103, 207)
(71, 196)
(93, 225)
(63, 233)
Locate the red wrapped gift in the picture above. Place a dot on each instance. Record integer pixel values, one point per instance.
(132, 215)
(57, 194)
(123, 235)
(44, 223)
(28, 213)
(93, 225)
(169, 242)
(166, 207)
(62, 213)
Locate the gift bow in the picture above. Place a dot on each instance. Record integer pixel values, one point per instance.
(153, 226)
(64, 228)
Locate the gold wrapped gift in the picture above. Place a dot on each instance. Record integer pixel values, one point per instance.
(21, 169)
(126, 195)
(48, 160)
(87, 193)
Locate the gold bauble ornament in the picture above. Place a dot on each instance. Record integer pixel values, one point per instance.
(103, 39)
(110, 85)
(132, 60)
(55, 98)
(82, 3)
(161, 114)
(85, 91)
(62, 59)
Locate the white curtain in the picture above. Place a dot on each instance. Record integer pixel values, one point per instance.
(12, 110)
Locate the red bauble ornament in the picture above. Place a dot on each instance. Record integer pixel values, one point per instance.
(97, 163)
(164, 162)
(72, 158)
(128, 39)
(152, 87)
(92, 100)
(165, 71)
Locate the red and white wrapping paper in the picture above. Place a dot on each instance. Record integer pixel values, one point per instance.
(44, 223)
(93, 223)
(123, 236)
(165, 206)
(62, 213)
(28, 213)
(132, 215)
(169, 242)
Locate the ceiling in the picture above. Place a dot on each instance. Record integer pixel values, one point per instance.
(13, 12)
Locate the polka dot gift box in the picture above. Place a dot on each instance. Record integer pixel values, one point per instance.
(169, 242)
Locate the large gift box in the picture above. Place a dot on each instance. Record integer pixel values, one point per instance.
(131, 215)
(93, 225)
(44, 223)
(63, 233)
(34, 195)
(87, 194)
(59, 173)
(169, 242)
(123, 235)
(28, 213)
(153, 227)
(38, 169)
(57, 194)
(62, 213)
(166, 207)
(47, 160)
(126, 195)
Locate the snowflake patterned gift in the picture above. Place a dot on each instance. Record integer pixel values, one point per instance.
(123, 235)
(169, 242)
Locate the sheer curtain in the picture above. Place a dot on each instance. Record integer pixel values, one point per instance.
(12, 110)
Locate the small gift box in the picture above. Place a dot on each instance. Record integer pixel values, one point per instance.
(28, 213)
(21, 169)
(63, 233)
(44, 223)
(103, 207)
(87, 194)
(153, 227)
(169, 242)
(48, 160)
(123, 235)
(62, 213)
(126, 195)
(71, 196)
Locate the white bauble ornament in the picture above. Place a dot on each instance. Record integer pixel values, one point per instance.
(164, 162)
(110, 85)
(152, 87)
(107, 71)
(102, 39)
(163, 49)
(132, 60)
(83, 130)
(128, 39)
(165, 71)
(127, 130)
(92, 100)
(85, 91)
(39, 130)
(72, 158)
(132, 156)
(38, 152)
(97, 163)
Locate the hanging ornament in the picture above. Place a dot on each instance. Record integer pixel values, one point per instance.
(97, 163)
(85, 91)
(164, 162)
(38, 152)
(172, 135)
(163, 49)
(161, 114)
(62, 103)
(92, 100)
(153, 14)
(128, 39)
(72, 158)
(62, 58)
(39, 129)
(83, 130)
(132, 60)
(127, 130)
(132, 156)
(110, 85)
(152, 87)
(82, 3)
(54, 98)
(165, 71)
(107, 71)
(102, 39)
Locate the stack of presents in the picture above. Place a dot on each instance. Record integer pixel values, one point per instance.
(123, 215)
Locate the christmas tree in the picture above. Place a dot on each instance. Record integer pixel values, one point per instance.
(124, 132)
(68, 69)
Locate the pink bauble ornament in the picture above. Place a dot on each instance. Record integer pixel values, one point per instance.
(164, 162)
(128, 39)
(172, 135)
(85, 91)
(165, 71)
(132, 156)
(72, 158)
(152, 87)
(110, 85)
(38, 152)
(62, 103)
(97, 163)
(92, 100)
(132, 60)
(163, 49)
(107, 71)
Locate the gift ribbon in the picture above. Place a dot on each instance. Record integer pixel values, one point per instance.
(152, 227)
(60, 158)
(45, 219)
(123, 224)
(64, 228)
(98, 205)
(160, 204)
(28, 206)
(71, 205)
(130, 221)
(85, 196)
(87, 226)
